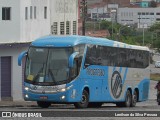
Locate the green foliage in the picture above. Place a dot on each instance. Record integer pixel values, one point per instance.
(153, 4)
(129, 34)
(155, 29)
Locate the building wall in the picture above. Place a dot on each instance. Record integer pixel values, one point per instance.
(62, 11)
(18, 29)
(138, 16)
(121, 3)
(10, 29)
(16, 71)
(34, 27)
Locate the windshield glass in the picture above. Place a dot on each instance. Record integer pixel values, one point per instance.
(47, 65)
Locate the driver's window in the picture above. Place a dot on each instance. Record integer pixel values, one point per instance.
(74, 70)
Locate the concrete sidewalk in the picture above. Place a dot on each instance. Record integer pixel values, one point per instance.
(18, 104)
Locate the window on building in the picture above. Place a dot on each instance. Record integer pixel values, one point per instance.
(74, 27)
(67, 27)
(157, 13)
(143, 13)
(139, 13)
(151, 13)
(26, 13)
(147, 13)
(158, 19)
(45, 12)
(62, 28)
(30, 12)
(6, 13)
(35, 11)
(54, 28)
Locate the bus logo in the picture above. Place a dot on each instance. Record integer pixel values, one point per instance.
(116, 84)
(95, 72)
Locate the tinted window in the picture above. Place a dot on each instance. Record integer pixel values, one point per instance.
(113, 56)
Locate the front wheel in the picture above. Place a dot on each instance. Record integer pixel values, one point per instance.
(43, 104)
(84, 100)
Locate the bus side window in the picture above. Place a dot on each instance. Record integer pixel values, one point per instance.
(74, 70)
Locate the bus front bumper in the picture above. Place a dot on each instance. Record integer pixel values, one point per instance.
(57, 97)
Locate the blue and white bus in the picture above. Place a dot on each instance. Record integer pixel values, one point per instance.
(85, 71)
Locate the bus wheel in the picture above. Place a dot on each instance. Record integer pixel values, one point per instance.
(95, 104)
(84, 100)
(128, 99)
(134, 99)
(43, 104)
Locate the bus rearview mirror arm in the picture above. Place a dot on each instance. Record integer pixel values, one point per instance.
(71, 59)
(20, 57)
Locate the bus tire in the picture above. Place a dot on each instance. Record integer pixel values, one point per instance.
(134, 99)
(84, 100)
(128, 99)
(43, 104)
(95, 104)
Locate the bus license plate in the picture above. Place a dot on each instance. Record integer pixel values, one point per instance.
(43, 97)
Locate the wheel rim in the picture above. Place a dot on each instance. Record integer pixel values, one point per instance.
(128, 100)
(84, 99)
(134, 98)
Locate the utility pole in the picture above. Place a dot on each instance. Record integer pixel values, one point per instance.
(83, 14)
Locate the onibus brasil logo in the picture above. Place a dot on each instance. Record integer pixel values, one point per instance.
(116, 84)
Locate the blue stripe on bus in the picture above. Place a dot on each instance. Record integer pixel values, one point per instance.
(120, 69)
(125, 75)
(114, 68)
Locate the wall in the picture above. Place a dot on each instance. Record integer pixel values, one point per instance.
(16, 71)
(131, 16)
(64, 10)
(10, 29)
(35, 27)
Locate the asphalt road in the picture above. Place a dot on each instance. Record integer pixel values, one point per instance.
(67, 112)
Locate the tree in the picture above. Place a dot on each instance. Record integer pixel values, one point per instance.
(153, 4)
(155, 28)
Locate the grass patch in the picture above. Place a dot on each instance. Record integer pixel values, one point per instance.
(155, 76)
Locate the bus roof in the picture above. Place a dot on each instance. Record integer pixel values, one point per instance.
(72, 40)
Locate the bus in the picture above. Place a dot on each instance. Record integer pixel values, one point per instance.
(85, 71)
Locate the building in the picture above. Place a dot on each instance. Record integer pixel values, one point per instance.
(140, 17)
(98, 11)
(121, 3)
(64, 16)
(22, 21)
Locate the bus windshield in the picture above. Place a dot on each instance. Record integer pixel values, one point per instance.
(47, 65)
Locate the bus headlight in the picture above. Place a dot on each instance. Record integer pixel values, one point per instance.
(65, 89)
(26, 96)
(26, 88)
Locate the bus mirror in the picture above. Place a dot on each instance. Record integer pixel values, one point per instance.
(71, 59)
(20, 57)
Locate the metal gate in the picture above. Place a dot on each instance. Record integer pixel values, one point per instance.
(6, 78)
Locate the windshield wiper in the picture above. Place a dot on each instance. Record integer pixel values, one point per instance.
(37, 75)
(52, 76)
